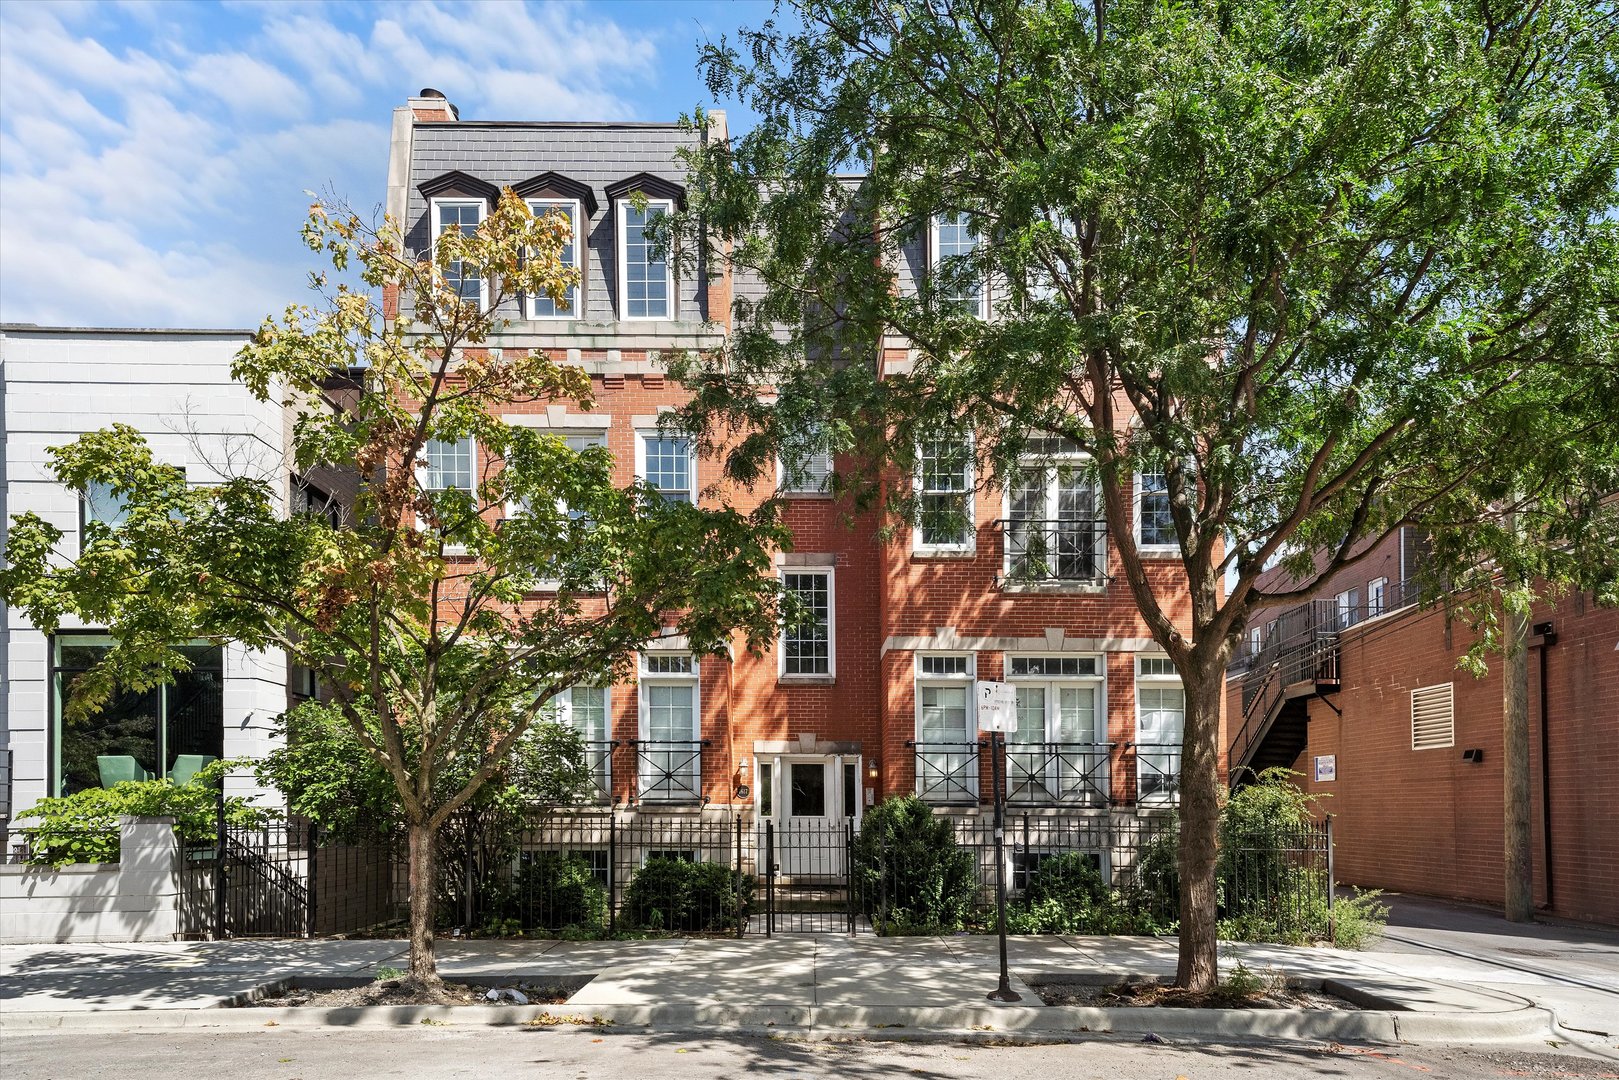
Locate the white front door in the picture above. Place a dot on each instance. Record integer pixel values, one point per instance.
(810, 802)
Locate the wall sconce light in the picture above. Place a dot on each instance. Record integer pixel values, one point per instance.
(871, 771)
(1475, 755)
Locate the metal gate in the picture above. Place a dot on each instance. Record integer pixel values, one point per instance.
(808, 886)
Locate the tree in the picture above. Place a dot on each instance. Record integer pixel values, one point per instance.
(420, 614)
(1289, 255)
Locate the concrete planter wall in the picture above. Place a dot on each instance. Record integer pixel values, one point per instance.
(135, 899)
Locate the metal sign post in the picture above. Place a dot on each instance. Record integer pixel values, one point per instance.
(997, 713)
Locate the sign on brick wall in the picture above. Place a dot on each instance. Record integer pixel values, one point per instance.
(1326, 768)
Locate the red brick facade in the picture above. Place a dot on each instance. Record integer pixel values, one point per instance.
(1428, 821)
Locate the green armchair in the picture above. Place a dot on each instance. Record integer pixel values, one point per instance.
(116, 768)
(187, 766)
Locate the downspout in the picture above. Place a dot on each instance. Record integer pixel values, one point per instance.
(1545, 638)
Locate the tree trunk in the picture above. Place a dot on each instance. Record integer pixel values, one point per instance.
(1520, 880)
(423, 866)
(1198, 969)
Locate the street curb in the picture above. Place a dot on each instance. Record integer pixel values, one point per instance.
(886, 1023)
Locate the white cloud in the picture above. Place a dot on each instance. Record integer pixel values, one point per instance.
(153, 159)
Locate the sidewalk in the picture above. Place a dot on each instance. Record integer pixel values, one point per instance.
(893, 987)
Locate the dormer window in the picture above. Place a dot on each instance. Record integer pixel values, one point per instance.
(543, 306)
(645, 279)
(464, 215)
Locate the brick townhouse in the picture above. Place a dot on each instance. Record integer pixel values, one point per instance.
(1359, 691)
(876, 698)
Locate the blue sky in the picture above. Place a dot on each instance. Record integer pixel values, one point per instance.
(154, 154)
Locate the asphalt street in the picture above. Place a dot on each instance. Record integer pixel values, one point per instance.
(430, 1054)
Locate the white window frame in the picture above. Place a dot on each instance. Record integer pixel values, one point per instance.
(641, 437)
(1377, 587)
(1052, 687)
(1348, 607)
(539, 207)
(968, 545)
(1146, 549)
(602, 770)
(1052, 464)
(934, 257)
(788, 483)
(644, 679)
(621, 232)
(958, 679)
(831, 672)
(438, 205)
(422, 472)
(1163, 681)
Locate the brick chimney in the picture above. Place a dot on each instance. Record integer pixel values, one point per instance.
(432, 106)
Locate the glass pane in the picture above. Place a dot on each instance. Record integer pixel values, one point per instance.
(1076, 715)
(669, 713)
(100, 504)
(646, 282)
(944, 713)
(851, 788)
(1162, 715)
(809, 789)
(1031, 715)
(449, 464)
(668, 467)
(767, 796)
(589, 708)
(544, 306)
(195, 719)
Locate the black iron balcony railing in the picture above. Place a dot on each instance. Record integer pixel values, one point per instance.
(669, 770)
(599, 763)
(1158, 773)
(1058, 773)
(1053, 552)
(946, 772)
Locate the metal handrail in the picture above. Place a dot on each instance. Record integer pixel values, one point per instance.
(946, 772)
(1038, 551)
(669, 770)
(1059, 773)
(1303, 647)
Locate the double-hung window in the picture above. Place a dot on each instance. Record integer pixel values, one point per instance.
(451, 465)
(805, 468)
(944, 486)
(464, 216)
(98, 503)
(807, 639)
(667, 464)
(645, 280)
(958, 285)
(1348, 603)
(1155, 525)
(543, 306)
(1059, 752)
(1377, 591)
(1053, 531)
(1160, 725)
(946, 729)
(670, 758)
(588, 711)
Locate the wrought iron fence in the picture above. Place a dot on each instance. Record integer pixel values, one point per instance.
(1064, 550)
(947, 772)
(1276, 881)
(1059, 773)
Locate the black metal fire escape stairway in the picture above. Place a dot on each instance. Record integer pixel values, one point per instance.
(1298, 661)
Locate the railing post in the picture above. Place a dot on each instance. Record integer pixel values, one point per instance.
(1332, 887)
(311, 893)
(882, 882)
(742, 908)
(220, 884)
(770, 878)
(848, 871)
(612, 872)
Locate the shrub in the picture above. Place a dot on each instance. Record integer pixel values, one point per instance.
(556, 890)
(675, 895)
(83, 827)
(906, 857)
(1068, 896)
